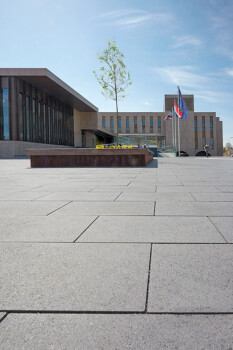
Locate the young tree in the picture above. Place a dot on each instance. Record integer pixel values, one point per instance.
(113, 77)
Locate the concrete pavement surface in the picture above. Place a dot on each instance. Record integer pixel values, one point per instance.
(117, 258)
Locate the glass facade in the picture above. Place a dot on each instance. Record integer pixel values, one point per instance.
(135, 124)
(143, 124)
(127, 124)
(44, 119)
(111, 124)
(103, 122)
(203, 131)
(151, 124)
(211, 133)
(119, 123)
(4, 115)
(195, 132)
(159, 124)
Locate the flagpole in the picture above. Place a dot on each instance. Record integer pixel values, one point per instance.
(178, 121)
(172, 128)
(175, 131)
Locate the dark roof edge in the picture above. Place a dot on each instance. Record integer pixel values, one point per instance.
(20, 72)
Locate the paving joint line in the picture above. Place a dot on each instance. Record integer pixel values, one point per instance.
(148, 279)
(192, 196)
(57, 208)
(154, 208)
(85, 229)
(218, 230)
(101, 312)
(117, 197)
(3, 317)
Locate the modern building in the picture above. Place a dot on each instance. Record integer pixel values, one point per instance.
(197, 130)
(37, 110)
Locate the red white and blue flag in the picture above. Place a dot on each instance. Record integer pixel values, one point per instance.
(177, 111)
(169, 116)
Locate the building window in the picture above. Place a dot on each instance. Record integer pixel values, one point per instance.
(211, 133)
(127, 124)
(195, 132)
(135, 124)
(203, 131)
(159, 124)
(34, 120)
(28, 119)
(151, 124)
(4, 115)
(20, 123)
(111, 124)
(103, 122)
(143, 124)
(119, 123)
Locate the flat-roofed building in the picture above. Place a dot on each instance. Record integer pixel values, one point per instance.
(197, 130)
(37, 109)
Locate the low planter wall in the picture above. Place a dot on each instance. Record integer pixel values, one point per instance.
(87, 157)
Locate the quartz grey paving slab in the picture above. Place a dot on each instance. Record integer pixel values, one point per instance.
(116, 332)
(2, 314)
(82, 196)
(202, 189)
(152, 229)
(26, 195)
(43, 228)
(64, 188)
(194, 208)
(146, 197)
(225, 188)
(29, 207)
(110, 277)
(191, 278)
(225, 226)
(107, 208)
(127, 189)
(213, 197)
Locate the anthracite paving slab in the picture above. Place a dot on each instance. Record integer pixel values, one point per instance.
(191, 278)
(147, 197)
(111, 332)
(107, 208)
(156, 229)
(43, 228)
(194, 208)
(225, 226)
(109, 277)
(29, 207)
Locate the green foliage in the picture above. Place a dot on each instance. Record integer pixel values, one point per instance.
(112, 76)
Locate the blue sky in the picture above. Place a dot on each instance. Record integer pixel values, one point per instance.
(165, 42)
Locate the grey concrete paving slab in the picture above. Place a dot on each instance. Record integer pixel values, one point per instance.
(82, 196)
(225, 226)
(194, 208)
(29, 207)
(213, 197)
(2, 314)
(191, 278)
(116, 332)
(127, 189)
(110, 277)
(195, 189)
(107, 208)
(22, 196)
(224, 188)
(61, 187)
(146, 197)
(152, 229)
(43, 228)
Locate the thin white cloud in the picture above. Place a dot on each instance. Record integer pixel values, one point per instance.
(132, 17)
(187, 40)
(229, 72)
(183, 76)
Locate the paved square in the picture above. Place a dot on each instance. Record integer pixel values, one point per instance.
(91, 258)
